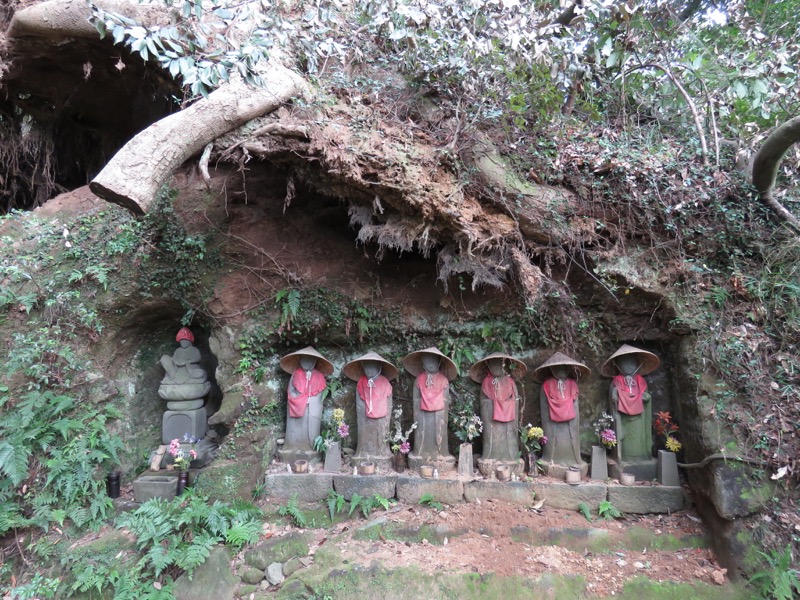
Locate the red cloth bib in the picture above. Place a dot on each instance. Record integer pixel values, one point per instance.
(561, 402)
(432, 397)
(375, 397)
(307, 388)
(630, 396)
(503, 393)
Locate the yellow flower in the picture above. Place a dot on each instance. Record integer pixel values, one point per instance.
(535, 433)
(338, 415)
(673, 445)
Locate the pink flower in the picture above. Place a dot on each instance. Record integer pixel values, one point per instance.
(175, 447)
(543, 440)
(405, 447)
(343, 430)
(192, 453)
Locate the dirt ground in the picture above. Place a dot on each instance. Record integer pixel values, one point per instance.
(505, 539)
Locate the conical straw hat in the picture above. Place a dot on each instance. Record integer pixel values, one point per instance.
(649, 362)
(413, 363)
(478, 371)
(354, 370)
(291, 362)
(559, 359)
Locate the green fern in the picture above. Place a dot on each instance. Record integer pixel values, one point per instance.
(336, 502)
(431, 502)
(608, 511)
(780, 581)
(584, 509)
(355, 502)
(383, 502)
(293, 511)
(241, 534)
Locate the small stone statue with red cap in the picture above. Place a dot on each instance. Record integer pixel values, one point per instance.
(184, 379)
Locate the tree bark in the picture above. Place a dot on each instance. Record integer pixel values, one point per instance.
(765, 165)
(136, 173)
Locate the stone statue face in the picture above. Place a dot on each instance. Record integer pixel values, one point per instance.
(307, 362)
(372, 368)
(496, 367)
(560, 371)
(430, 362)
(185, 343)
(627, 364)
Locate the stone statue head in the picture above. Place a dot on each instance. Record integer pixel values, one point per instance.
(496, 367)
(372, 368)
(561, 371)
(307, 362)
(431, 362)
(627, 364)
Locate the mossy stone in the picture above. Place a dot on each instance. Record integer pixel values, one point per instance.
(277, 550)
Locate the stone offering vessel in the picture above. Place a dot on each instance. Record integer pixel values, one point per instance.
(632, 410)
(433, 373)
(307, 383)
(559, 402)
(184, 386)
(373, 374)
(499, 411)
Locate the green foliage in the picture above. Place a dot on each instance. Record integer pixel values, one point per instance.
(607, 511)
(337, 503)
(781, 581)
(68, 448)
(431, 502)
(292, 510)
(288, 303)
(584, 509)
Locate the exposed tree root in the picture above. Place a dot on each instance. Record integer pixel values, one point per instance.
(765, 167)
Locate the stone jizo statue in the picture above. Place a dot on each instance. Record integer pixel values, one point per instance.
(184, 379)
(308, 369)
(559, 402)
(373, 375)
(631, 407)
(433, 373)
(499, 411)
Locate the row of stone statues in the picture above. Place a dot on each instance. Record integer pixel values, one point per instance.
(499, 407)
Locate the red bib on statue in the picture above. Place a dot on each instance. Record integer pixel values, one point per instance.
(432, 396)
(502, 391)
(629, 392)
(375, 394)
(306, 388)
(561, 399)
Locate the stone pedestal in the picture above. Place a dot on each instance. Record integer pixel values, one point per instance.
(560, 471)
(289, 455)
(382, 462)
(599, 463)
(643, 470)
(443, 463)
(488, 466)
(668, 468)
(176, 423)
(149, 485)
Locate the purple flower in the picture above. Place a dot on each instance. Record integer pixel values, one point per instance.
(405, 447)
(343, 430)
(543, 440)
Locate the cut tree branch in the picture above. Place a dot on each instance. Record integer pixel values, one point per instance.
(764, 169)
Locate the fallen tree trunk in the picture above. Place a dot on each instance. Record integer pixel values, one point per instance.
(132, 178)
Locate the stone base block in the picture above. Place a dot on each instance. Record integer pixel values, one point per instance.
(411, 489)
(564, 495)
(364, 486)
(185, 404)
(645, 499)
(560, 471)
(176, 423)
(643, 471)
(309, 487)
(147, 487)
(443, 463)
(515, 492)
(487, 466)
(382, 461)
(289, 455)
